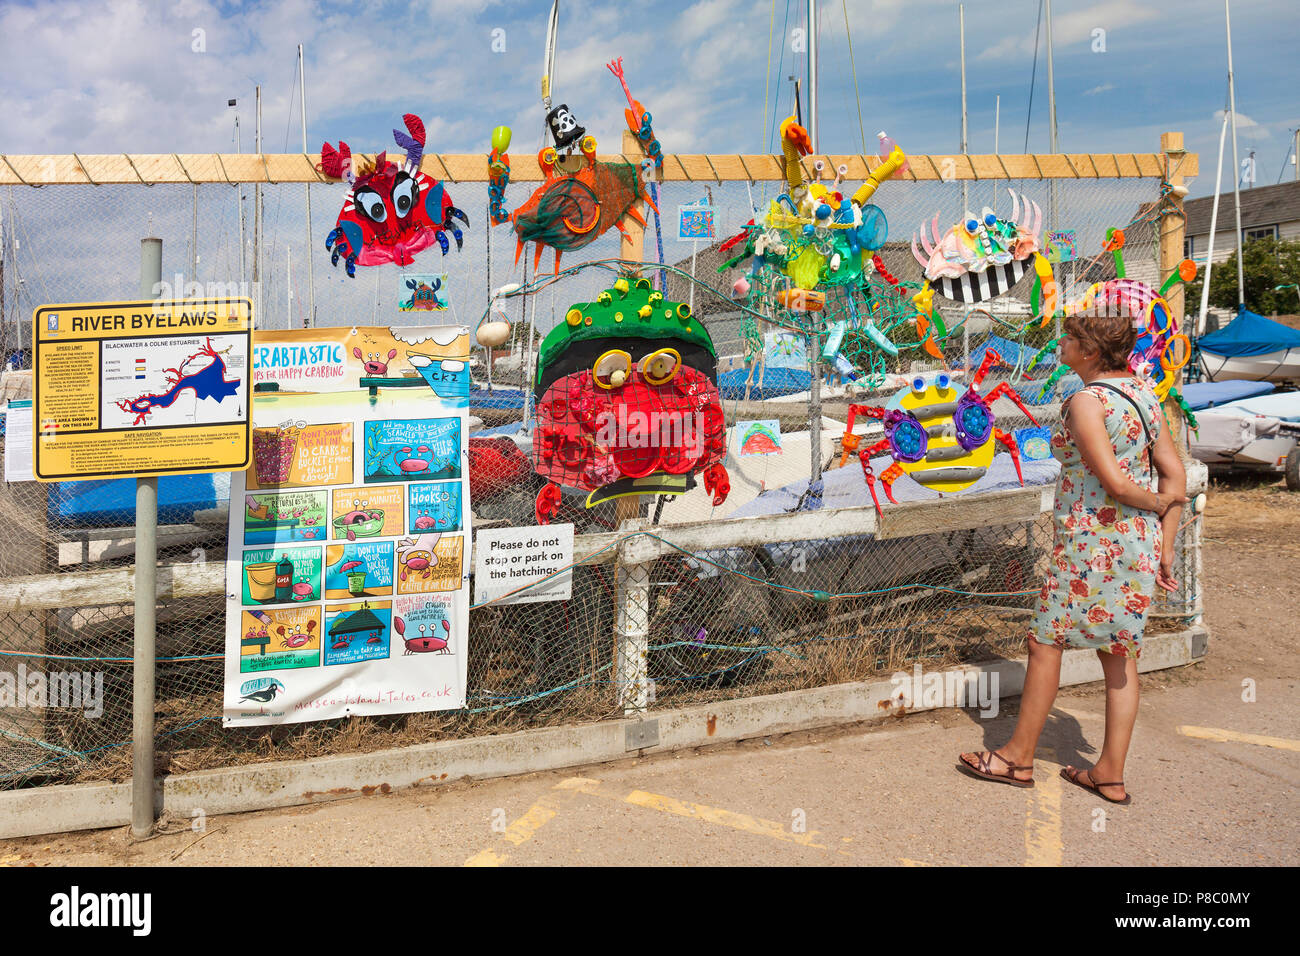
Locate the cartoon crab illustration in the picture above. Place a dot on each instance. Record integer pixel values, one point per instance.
(391, 212)
(298, 638)
(424, 644)
(424, 297)
(942, 438)
(417, 557)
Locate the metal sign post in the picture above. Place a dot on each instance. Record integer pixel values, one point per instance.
(146, 596)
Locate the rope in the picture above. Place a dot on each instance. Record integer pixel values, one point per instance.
(131, 163)
(178, 163)
(780, 65)
(1033, 77)
(854, 65)
(17, 174)
(85, 172)
(767, 77)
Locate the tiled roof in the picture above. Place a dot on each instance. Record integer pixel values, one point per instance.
(1261, 206)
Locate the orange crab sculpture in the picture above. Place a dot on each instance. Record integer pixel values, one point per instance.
(569, 211)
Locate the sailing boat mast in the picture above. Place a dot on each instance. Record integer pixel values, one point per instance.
(310, 318)
(1236, 164)
(812, 73)
(815, 339)
(961, 29)
(239, 206)
(257, 213)
(1051, 119)
(1214, 225)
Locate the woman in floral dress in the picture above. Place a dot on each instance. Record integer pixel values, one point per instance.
(1118, 501)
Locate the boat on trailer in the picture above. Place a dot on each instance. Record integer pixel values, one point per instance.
(1251, 347)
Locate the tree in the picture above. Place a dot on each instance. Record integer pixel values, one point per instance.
(1266, 264)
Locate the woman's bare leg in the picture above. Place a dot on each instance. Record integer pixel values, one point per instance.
(1121, 715)
(1042, 680)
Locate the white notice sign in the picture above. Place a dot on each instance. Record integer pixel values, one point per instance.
(18, 441)
(507, 559)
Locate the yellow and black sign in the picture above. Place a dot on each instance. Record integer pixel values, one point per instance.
(137, 389)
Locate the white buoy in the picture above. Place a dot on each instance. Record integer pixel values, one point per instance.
(492, 334)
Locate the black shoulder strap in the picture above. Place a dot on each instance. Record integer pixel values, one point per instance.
(1124, 395)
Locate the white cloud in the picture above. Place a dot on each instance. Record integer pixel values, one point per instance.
(1245, 122)
(1072, 27)
(1099, 89)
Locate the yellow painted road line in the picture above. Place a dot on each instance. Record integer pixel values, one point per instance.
(1232, 736)
(726, 818)
(485, 858)
(522, 830)
(1043, 845)
(535, 817)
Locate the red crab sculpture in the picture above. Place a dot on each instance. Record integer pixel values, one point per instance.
(391, 212)
(596, 428)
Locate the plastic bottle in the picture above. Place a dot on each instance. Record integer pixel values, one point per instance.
(887, 145)
(284, 579)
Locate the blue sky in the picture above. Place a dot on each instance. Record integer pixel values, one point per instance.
(137, 76)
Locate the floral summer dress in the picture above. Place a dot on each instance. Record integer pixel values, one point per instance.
(1102, 573)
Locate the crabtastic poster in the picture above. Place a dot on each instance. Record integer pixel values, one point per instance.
(347, 590)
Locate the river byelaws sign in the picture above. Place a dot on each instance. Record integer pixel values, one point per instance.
(134, 389)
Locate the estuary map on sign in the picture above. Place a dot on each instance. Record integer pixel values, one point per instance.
(155, 383)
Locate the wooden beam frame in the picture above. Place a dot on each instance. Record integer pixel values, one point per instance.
(74, 169)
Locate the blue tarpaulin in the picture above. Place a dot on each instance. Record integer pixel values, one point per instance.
(1201, 395)
(111, 503)
(1011, 352)
(1250, 334)
(776, 382)
(497, 398)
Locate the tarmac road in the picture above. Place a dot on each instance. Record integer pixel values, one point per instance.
(875, 795)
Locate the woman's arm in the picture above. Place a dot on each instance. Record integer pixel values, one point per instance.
(1086, 419)
(1173, 479)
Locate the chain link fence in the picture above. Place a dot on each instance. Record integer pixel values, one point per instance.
(717, 609)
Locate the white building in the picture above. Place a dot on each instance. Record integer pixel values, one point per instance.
(1267, 212)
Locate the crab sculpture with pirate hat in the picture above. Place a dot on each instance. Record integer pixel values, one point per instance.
(571, 209)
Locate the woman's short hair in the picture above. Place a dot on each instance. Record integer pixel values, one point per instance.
(1111, 336)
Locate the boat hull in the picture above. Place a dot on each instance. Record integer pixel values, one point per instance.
(1282, 365)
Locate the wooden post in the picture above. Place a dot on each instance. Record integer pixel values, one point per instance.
(633, 249)
(632, 580)
(1172, 227)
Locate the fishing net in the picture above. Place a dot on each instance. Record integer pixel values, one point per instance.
(780, 598)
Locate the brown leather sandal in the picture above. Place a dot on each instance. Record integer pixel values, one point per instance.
(985, 769)
(1072, 774)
